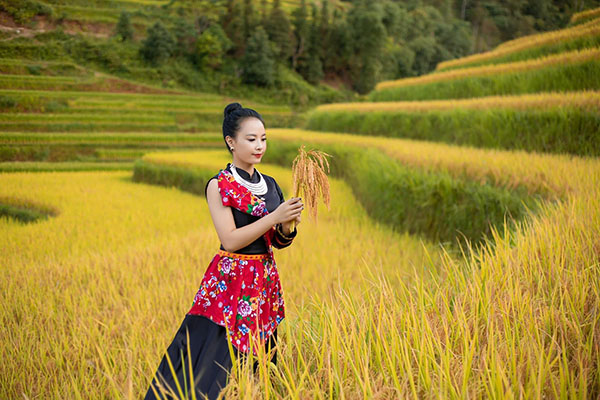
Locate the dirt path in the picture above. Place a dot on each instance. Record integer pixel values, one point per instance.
(44, 24)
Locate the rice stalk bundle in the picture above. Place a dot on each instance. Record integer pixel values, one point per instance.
(309, 177)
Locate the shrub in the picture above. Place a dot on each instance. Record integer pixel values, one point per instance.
(158, 45)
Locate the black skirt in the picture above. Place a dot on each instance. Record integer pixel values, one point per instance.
(210, 360)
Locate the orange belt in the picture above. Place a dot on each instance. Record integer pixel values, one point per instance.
(240, 256)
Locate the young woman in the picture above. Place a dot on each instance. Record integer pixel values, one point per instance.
(240, 293)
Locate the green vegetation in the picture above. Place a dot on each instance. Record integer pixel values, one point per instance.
(208, 46)
(22, 214)
(124, 30)
(23, 10)
(187, 179)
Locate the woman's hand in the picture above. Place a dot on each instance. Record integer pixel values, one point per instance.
(287, 226)
(288, 211)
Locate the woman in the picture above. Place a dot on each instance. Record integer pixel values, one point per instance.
(240, 293)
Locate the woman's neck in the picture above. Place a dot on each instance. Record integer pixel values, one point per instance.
(249, 168)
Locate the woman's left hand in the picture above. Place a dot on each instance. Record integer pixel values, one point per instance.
(287, 225)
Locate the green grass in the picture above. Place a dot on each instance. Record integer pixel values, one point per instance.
(32, 51)
(190, 180)
(52, 68)
(22, 214)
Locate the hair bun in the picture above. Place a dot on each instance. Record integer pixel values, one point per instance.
(231, 108)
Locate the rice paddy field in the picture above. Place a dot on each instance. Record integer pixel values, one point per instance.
(460, 257)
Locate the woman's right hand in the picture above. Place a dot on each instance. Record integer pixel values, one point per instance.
(288, 210)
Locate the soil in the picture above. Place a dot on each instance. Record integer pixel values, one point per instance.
(41, 23)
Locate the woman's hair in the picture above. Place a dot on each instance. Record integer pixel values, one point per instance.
(233, 115)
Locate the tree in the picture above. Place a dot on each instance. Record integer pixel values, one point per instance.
(185, 38)
(424, 48)
(324, 29)
(279, 30)
(301, 32)
(313, 72)
(264, 15)
(368, 37)
(455, 37)
(233, 25)
(340, 45)
(258, 65)
(211, 46)
(251, 20)
(124, 29)
(158, 45)
(404, 58)
(392, 19)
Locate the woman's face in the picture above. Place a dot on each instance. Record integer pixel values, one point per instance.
(250, 142)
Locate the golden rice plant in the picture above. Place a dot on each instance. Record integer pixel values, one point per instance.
(475, 331)
(586, 100)
(591, 28)
(572, 57)
(111, 276)
(310, 178)
(368, 316)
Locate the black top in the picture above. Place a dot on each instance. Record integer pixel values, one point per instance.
(273, 198)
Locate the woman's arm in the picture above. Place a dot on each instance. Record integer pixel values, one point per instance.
(233, 238)
(283, 234)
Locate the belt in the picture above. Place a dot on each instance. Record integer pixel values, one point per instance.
(241, 256)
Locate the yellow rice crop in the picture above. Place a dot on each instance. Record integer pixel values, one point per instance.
(93, 296)
(593, 13)
(109, 278)
(591, 28)
(587, 99)
(572, 57)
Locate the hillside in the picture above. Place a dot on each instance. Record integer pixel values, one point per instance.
(310, 52)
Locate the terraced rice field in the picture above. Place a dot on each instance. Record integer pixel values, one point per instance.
(459, 258)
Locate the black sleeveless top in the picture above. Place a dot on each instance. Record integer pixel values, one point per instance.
(273, 198)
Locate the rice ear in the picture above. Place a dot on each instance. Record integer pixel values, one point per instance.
(310, 178)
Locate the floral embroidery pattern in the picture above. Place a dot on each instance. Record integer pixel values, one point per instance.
(242, 293)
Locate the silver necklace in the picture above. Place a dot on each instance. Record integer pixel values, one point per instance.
(257, 189)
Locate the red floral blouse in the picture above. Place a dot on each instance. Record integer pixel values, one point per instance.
(242, 292)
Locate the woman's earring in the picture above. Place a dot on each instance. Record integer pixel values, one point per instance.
(231, 148)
